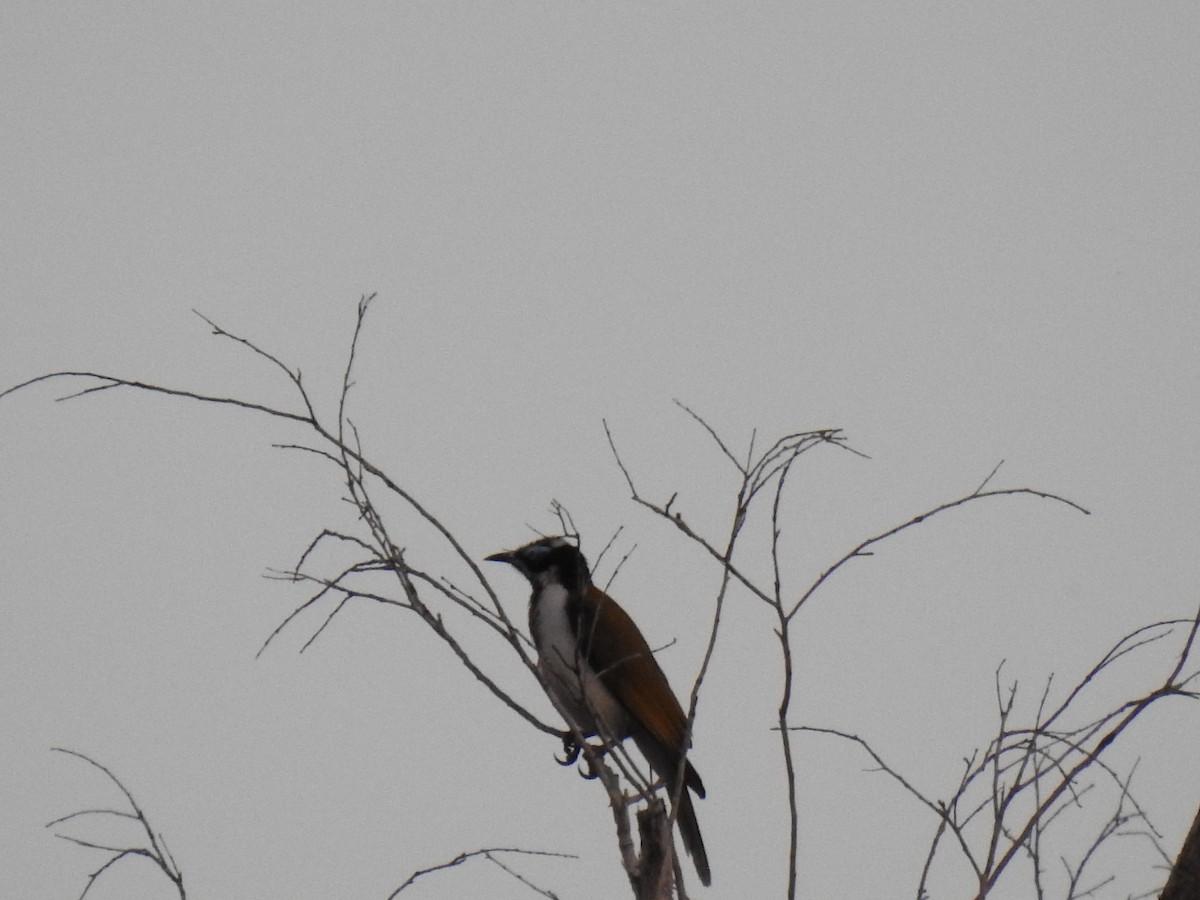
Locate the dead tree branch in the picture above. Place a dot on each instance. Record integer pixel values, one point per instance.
(768, 472)
(1019, 787)
(444, 606)
(492, 855)
(154, 848)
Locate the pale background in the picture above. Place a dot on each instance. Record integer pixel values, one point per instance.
(962, 232)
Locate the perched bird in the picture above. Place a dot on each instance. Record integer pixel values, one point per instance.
(601, 674)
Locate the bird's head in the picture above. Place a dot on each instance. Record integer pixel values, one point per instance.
(551, 560)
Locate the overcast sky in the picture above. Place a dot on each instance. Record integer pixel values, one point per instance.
(961, 232)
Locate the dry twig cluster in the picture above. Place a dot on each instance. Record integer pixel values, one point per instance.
(1006, 802)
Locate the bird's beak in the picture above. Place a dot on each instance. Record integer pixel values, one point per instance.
(504, 556)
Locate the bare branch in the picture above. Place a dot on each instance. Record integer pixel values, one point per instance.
(1049, 762)
(486, 852)
(713, 434)
(1008, 796)
(155, 849)
(988, 480)
(862, 549)
(108, 382)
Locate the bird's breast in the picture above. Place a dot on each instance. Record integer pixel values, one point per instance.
(575, 689)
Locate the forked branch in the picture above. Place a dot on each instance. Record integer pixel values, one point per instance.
(767, 471)
(154, 848)
(1011, 795)
(338, 443)
(491, 854)
(372, 551)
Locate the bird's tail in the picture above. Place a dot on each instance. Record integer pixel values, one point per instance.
(666, 764)
(689, 830)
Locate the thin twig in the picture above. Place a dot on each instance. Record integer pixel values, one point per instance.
(486, 852)
(155, 849)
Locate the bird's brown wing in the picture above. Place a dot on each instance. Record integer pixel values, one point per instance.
(620, 656)
(617, 652)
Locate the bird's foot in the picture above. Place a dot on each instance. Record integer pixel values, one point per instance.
(571, 750)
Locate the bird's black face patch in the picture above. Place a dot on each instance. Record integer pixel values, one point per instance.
(548, 559)
(537, 555)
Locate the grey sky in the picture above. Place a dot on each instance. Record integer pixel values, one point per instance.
(963, 233)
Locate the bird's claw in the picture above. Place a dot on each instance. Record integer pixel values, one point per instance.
(571, 750)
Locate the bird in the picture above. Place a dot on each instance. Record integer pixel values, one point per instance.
(602, 676)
